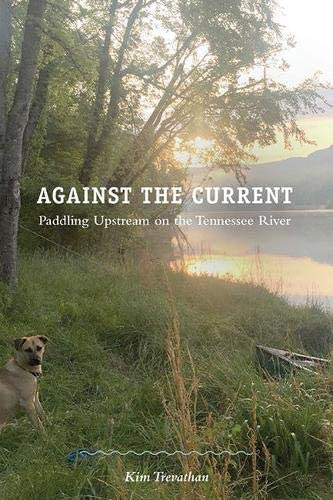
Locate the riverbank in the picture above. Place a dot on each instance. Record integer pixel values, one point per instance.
(141, 358)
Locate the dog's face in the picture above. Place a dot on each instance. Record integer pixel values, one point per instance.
(30, 350)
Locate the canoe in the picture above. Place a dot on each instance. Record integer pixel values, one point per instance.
(278, 362)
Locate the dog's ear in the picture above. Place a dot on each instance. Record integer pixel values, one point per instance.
(18, 343)
(43, 339)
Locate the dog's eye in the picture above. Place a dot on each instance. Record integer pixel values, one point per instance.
(28, 350)
(39, 348)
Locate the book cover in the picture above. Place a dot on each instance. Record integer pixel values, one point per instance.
(166, 269)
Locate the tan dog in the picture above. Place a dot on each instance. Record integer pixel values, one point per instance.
(18, 381)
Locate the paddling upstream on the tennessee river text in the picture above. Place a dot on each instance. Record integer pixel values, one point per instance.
(200, 220)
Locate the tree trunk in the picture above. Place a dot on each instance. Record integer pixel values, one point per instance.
(98, 106)
(5, 40)
(37, 108)
(12, 156)
(97, 146)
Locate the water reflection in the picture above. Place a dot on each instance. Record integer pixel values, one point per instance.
(296, 262)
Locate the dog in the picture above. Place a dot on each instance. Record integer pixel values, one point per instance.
(18, 381)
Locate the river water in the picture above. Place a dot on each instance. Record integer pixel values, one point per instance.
(295, 260)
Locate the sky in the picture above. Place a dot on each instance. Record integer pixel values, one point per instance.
(311, 23)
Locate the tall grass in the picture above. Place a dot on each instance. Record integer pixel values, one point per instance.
(146, 359)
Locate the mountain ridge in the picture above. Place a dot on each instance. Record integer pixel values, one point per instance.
(311, 178)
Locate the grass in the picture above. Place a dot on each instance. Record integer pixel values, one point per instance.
(147, 359)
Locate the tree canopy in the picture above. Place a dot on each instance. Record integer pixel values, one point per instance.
(130, 77)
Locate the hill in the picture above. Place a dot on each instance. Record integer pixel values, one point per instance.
(311, 177)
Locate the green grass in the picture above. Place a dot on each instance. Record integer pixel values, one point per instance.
(108, 384)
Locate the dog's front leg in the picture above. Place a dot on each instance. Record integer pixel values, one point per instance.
(32, 414)
(2, 422)
(39, 409)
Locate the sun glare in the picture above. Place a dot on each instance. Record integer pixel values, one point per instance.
(193, 153)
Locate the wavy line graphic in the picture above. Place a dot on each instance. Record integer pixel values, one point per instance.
(163, 452)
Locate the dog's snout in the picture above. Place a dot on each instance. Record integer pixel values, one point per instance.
(35, 361)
